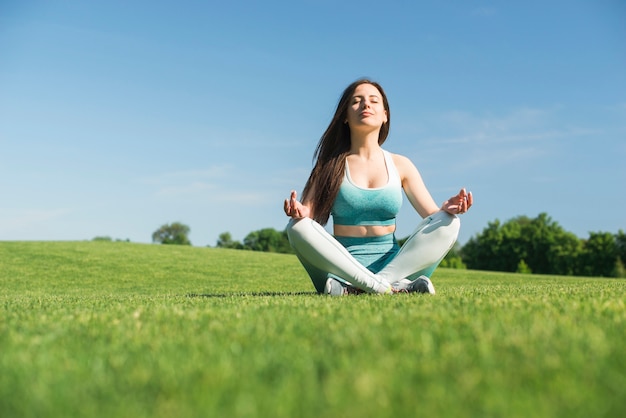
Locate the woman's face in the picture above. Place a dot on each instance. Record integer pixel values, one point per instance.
(366, 108)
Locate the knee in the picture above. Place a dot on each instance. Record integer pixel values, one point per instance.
(296, 228)
(443, 221)
(454, 226)
(293, 223)
(455, 222)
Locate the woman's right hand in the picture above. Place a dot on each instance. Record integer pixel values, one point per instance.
(294, 208)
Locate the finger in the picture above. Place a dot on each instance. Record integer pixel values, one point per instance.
(461, 208)
(288, 207)
(295, 211)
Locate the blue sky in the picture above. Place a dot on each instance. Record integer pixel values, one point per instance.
(119, 116)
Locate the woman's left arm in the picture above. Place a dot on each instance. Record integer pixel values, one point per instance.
(420, 197)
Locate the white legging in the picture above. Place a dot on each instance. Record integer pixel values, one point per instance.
(321, 254)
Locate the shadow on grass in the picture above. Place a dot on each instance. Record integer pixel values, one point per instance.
(248, 294)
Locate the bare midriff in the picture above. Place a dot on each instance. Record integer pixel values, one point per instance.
(363, 230)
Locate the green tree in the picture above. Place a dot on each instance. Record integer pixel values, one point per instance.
(175, 233)
(102, 238)
(551, 249)
(269, 240)
(523, 268)
(619, 270)
(620, 244)
(492, 250)
(620, 248)
(225, 240)
(599, 255)
(540, 242)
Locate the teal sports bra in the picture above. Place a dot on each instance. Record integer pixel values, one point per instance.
(356, 205)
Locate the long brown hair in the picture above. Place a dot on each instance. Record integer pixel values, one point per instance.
(331, 152)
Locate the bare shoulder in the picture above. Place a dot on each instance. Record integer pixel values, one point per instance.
(403, 164)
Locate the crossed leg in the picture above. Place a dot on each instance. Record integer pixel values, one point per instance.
(321, 254)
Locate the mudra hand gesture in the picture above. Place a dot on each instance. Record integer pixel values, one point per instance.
(294, 208)
(458, 204)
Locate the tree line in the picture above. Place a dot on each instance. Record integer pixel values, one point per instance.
(541, 245)
(522, 244)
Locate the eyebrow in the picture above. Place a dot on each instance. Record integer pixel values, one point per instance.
(362, 95)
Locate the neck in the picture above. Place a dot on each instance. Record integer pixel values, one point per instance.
(364, 144)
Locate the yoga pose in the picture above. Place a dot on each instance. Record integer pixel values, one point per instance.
(360, 185)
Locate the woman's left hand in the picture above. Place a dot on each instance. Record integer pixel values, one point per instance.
(458, 204)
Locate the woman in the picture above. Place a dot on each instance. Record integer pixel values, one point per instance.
(360, 185)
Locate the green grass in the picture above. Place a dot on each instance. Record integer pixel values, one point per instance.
(129, 330)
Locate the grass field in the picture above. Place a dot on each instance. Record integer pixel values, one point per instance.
(128, 330)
